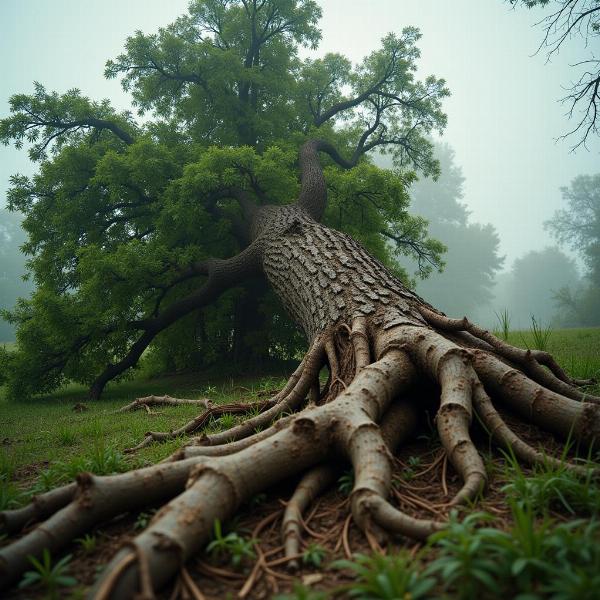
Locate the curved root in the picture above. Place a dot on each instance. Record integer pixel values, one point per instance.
(532, 361)
(289, 398)
(509, 440)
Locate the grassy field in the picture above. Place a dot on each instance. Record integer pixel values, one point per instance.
(44, 442)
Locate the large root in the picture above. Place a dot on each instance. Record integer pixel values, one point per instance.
(362, 422)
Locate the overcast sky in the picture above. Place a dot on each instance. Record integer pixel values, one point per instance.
(503, 115)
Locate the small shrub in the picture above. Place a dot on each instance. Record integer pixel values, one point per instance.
(10, 495)
(534, 559)
(552, 486)
(540, 334)
(51, 578)
(66, 437)
(386, 577)
(302, 592)
(88, 543)
(314, 555)
(233, 546)
(143, 519)
(467, 563)
(106, 460)
(504, 323)
(346, 482)
(226, 421)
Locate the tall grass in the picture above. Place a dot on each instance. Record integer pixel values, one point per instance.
(504, 324)
(540, 334)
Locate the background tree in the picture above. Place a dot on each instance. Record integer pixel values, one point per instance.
(472, 259)
(123, 216)
(570, 18)
(578, 226)
(12, 268)
(532, 286)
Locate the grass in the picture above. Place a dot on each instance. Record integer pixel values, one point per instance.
(44, 437)
(577, 350)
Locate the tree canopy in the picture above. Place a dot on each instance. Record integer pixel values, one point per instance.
(126, 216)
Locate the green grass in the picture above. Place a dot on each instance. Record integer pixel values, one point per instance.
(576, 350)
(44, 437)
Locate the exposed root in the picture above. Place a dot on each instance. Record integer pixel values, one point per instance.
(313, 483)
(288, 399)
(363, 421)
(450, 366)
(40, 507)
(199, 421)
(395, 521)
(231, 447)
(545, 408)
(509, 440)
(96, 499)
(531, 361)
(148, 401)
(360, 341)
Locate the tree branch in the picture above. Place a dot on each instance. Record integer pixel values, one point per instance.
(222, 275)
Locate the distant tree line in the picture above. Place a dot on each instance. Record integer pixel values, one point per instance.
(12, 268)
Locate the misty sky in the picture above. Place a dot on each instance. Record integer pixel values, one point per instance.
(504, 115)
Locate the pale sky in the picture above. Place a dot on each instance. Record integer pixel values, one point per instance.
(503, 115)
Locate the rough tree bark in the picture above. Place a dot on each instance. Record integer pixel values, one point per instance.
(379, 340)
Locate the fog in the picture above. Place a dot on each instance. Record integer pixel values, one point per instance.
(504, 116)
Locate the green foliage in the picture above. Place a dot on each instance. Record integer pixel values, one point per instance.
(386, 577)
(540, 334)
(232, 546)
(552, 486)
(47, 576)
(314, 555)
(503, 318)
(346, 482)
(466, 563)
(10, 495)
(143, 519)
(120, 212)
(532, 560)
(302, 592)
(88, 542)
(102, 460)
(66, 436)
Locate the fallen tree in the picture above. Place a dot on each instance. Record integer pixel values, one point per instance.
(379, 342)
(134, 228)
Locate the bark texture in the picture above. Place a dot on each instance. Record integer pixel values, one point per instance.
(379, 341)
